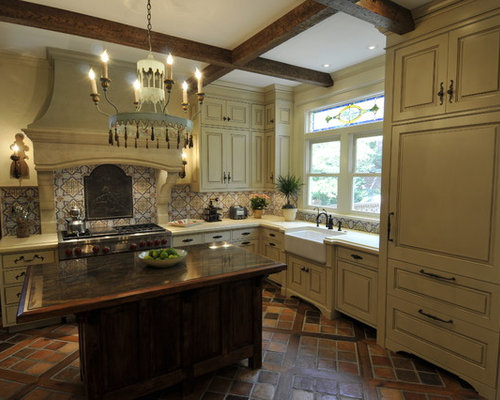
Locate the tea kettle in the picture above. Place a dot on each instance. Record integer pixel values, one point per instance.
(75, 224)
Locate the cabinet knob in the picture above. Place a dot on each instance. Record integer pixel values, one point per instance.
(228, 177)
(450, 91)
(441, 93)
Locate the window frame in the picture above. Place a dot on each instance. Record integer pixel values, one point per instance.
(347, 136)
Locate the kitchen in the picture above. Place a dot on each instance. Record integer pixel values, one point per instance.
(467, 259)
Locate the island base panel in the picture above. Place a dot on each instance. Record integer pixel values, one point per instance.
(139, 347)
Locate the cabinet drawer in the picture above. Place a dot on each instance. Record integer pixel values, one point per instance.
(454, 344)
(28, 258)
(243, 234)
(360, 257)
(475, 301)
(217, 236)
(12, 294)
(251, 244)
(275, 236)
(14, 275)
(187, 240)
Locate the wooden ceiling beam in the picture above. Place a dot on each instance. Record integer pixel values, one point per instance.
(383, 14)
(301, 18)
(72, 23)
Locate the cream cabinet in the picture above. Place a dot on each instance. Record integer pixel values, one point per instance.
(269, 117)
(307, 280)
(258, 116)
(441, 176)
(273, 246)
(225, 159)
(259, 165)
(357, 285)
(451, 72)
(12, 276)
(225, 113)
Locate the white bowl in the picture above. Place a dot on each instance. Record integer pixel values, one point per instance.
(167, 262)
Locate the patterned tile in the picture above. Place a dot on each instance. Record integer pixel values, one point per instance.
(28, 198)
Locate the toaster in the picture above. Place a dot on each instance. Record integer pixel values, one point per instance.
(238, 212)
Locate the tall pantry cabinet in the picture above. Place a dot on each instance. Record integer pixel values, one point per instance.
(440, 246)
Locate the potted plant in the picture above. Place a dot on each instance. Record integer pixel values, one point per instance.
(290, 186)
(257, 203)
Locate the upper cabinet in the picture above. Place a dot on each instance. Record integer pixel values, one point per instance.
(225, 113)
(453, 72)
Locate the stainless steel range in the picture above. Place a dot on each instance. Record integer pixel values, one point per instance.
(117, 239)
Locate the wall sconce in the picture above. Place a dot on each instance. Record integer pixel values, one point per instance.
(19, 168)
(182, 174)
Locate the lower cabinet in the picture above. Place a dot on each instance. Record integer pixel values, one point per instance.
(12, 276)
(309, 281)
(273, 247)
(356, 289)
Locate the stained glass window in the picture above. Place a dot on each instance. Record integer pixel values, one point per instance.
(355, 113)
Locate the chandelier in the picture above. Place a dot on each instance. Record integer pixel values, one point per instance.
(147, 128)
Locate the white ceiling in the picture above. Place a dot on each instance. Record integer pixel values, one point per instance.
(339, 41)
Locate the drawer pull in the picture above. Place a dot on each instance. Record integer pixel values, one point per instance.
(436, 276)
(245, 233)
(272, 235)
(20, 275)
(216, 237)
(245, 243)
(187, 240)
(272, 244)
(18, 294)
(41, 258)
(356, 257)
(450, 321)
(304, 269)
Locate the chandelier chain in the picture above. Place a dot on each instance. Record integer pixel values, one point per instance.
(149, 24)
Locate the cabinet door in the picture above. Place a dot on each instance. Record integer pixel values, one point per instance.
(270, 117)
(213, 148)
(238, 159)
(237, 114)
(357, 292)
(258, 116)
(258, 160)
(214, 111)
(297, 276)
(282, 154)
(316, 283)
(419, 71)
(269, 164)
(474, 66)
(443, 184)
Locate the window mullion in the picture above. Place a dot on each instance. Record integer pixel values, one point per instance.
(344, 176)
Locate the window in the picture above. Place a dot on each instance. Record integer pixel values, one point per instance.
(344, 157)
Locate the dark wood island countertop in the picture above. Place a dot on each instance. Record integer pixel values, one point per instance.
(84, 284)
(141, 329)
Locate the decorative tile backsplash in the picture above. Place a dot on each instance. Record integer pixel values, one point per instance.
(69, 192)
(187, 204)
(27, 197)
(347, 222)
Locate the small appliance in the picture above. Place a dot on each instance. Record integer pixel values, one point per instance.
(211, 213)
(238, 212)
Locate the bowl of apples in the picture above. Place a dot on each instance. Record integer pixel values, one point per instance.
(163, 258)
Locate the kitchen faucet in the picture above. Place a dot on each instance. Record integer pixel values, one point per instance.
(319, 215)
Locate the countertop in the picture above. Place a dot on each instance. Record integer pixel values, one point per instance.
(356, 239)
(10, 244)
(85, 284)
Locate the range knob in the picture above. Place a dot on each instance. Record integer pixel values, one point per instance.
(133, 246)
(150, 243)
(68, 252)
(142, 243)
(157, 242)
(95, 249)
(78, 251)
(106, 250)
(164, 241)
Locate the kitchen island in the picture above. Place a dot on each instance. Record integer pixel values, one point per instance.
(142, 329)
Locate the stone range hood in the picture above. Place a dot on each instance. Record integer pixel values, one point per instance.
(71, 132)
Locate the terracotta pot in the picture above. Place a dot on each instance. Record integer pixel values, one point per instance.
(257, 213)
